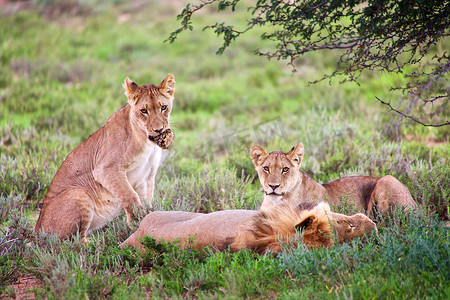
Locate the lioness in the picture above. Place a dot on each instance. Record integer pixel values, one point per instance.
(113, 168)
(283, 181)
(255, 230)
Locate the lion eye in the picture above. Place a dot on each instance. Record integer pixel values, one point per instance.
(164, 107)
(285, 169)
(351, 225)
(266, 169)
(144, 111)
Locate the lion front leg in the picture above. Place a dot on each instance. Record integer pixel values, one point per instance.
(117, 184)
(149, 188)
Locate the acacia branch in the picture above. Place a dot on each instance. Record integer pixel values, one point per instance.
(411, 117)
(383, 35)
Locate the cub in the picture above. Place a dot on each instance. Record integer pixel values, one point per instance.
(283, 181)
(113, 168)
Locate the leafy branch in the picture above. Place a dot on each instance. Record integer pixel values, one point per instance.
(376, 35)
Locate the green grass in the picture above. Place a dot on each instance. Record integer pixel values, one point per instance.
(61, 78)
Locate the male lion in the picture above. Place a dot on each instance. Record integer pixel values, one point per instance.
(113, 168)
(255, 230)
(283, 181)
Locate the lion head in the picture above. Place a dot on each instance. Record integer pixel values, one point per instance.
(350, 227)
(150, 107)
(313, 223)
(278, 171)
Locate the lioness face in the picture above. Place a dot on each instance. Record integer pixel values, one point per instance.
(350, 227)
(278, 171)
(151, 106)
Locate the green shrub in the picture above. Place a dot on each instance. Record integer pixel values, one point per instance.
(432, 190)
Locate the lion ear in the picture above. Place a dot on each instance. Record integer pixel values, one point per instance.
(296, 154)
(257, 154)
(305, 224)
(167, 86)
(130, 87)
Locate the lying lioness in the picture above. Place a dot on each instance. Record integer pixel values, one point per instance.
(113, 168)
(255, 230)
(283, 181)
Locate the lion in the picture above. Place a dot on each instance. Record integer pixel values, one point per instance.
(113, 168)
(283, 181)
(258, 231)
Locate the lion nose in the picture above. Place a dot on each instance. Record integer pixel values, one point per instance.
(274, 186)
(158, 130)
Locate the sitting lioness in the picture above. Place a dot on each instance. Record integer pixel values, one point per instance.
(258, 231)
(283, 181)
(113, 168)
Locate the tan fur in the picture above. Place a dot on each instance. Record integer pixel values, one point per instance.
(258, 231)
(113, 168)
(283, 181)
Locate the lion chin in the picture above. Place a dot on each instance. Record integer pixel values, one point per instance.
(271, 199)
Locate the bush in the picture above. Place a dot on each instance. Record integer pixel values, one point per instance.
(432, 190)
